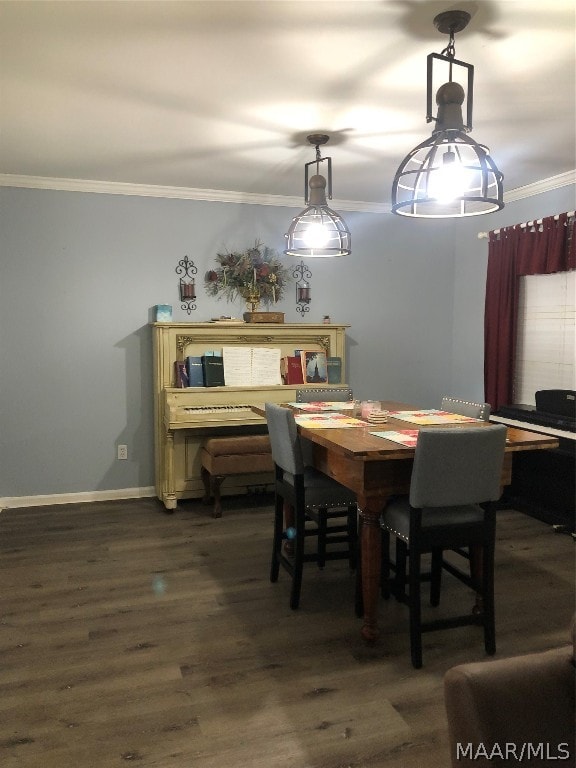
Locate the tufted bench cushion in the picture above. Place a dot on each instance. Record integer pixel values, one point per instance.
(223, 456)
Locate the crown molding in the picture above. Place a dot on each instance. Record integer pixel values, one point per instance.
(247, 198)
(538, 187)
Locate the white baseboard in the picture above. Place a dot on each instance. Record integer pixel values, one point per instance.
(13, 502)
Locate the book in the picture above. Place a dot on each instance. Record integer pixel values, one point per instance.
(195, 371)
(327, 421)
(213, 368)
(180, 374)
(314, 368)
(432, 416)
(321, 405)
(334, 367)
(406, 437)
(291, 368)
(251, 366)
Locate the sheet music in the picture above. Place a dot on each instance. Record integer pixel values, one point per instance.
(265, 366)
(237, 366)
(251, 366)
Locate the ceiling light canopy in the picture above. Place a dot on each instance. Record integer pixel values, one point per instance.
(318, 231)
(449, 174)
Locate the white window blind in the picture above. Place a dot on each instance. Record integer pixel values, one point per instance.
(545, 349)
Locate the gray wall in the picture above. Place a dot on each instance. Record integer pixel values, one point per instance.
(80, 274)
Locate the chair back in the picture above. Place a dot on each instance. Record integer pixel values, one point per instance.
(455, 466)
(466, 408)
(332, 394)
(284, 439)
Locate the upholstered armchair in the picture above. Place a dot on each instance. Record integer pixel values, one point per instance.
(518, 703)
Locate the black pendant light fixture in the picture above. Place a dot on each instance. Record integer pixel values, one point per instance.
(318, 231)
(449, 174)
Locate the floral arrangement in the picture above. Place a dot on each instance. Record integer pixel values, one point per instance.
(255, 274)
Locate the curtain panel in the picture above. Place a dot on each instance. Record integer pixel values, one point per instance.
(538, 249)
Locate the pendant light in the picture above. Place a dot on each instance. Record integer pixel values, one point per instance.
(318, 231)
(449, 174)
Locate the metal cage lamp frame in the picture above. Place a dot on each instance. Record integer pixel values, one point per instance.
(318, 231)
(449, 174)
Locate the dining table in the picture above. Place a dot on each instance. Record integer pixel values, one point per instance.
(375, 468)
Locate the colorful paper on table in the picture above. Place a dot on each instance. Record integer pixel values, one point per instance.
(406, 437)
(327, 421)
(431, 417)
(323, 406)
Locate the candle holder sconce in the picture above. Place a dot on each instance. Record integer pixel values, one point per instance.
(302, 276)
(187, 285)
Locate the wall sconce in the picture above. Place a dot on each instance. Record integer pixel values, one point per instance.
(187, 284)
(449, 174)
(318, 230)
(302, 276)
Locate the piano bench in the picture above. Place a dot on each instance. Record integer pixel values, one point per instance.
(224, 456)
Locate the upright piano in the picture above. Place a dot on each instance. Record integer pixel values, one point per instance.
(544, 481)
(185, 417)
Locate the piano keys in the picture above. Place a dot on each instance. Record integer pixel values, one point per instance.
(543, 483)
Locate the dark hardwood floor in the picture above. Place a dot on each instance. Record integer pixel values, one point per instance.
(128, 635)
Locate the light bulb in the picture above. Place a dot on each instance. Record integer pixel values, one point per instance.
(316, 236)
(450, 180)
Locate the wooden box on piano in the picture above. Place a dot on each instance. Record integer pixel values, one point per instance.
(183, 418)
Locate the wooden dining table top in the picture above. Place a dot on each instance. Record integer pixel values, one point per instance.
(359, 443)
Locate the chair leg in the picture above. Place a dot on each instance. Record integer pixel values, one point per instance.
(385, 567)
(415, 608)
(298, 559)
(400, 570)
(435, 577)
(488, 595)
(322, 533)
(277, 538)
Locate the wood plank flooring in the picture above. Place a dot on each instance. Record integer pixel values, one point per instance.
(128, 635)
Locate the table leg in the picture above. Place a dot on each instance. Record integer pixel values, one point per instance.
(370, 560)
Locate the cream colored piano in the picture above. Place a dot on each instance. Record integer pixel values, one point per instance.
(183, 418)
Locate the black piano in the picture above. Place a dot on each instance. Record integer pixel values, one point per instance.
(543, 482)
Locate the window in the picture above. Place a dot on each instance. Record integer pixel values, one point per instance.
(545, 348)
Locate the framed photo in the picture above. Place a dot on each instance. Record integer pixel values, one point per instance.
(314, 366)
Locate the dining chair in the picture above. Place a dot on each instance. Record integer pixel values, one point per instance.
(475, 411)
(314, 497)
(328, 394)
(466, 408)
(454, 487)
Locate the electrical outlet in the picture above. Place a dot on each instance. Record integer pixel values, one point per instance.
(122, 451)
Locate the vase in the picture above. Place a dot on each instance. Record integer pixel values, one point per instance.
(252, 297)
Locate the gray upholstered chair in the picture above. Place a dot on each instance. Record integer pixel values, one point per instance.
(454, 487)
(475, 411)
(327, 394)
(466, 408)
(314, 497)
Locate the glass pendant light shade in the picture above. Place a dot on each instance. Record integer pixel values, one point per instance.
(318, 231)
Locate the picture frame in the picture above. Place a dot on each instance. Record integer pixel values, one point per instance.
(314, 366)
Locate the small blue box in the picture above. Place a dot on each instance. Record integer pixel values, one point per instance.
(163, 313)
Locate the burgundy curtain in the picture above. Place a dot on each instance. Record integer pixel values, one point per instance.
(515, 251)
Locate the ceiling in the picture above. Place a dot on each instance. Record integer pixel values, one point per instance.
(221, 95)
